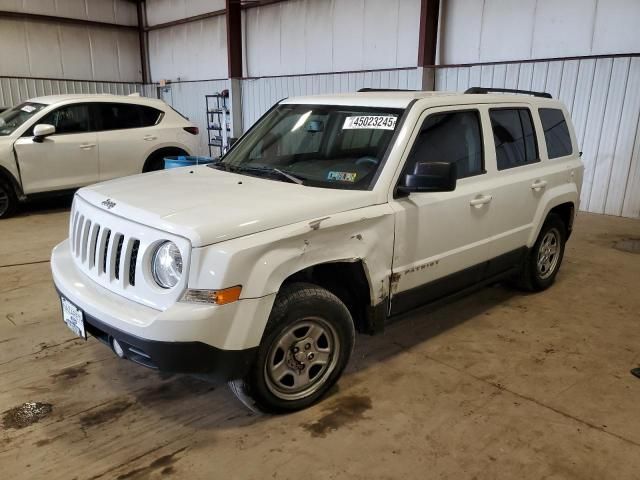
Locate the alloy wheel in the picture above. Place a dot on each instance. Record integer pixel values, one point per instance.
(548, 254)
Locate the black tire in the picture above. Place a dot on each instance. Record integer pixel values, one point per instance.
(297, 307)
(533, 278)
(8, 200)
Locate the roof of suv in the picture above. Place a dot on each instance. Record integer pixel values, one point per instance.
(401, 99)
(52, 99)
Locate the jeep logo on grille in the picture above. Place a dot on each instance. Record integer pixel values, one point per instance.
(109, 204)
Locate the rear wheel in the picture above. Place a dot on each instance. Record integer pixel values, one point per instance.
(8, 199)
(306, 346)
(544, 259)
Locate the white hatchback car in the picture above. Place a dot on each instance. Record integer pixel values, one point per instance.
(62, 142)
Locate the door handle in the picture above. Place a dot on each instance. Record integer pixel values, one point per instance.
(87, 146)
(148, 138)
(481, 200)
(538, 185)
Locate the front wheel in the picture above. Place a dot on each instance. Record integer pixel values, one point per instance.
(8, 200)
(305, 348)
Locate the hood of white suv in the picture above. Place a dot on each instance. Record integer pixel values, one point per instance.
(210, 206)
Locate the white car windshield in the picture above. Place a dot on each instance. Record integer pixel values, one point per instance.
(11, 119)
(318, 145)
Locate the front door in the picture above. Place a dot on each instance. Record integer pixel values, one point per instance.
(442, 238)
(67, 159)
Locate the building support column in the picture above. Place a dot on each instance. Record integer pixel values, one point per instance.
(234, 57)
(144, 41)
(428, 43)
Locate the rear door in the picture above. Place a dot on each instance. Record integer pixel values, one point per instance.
(441, 238)
(519, 180)
(64, 160)
(127, 135)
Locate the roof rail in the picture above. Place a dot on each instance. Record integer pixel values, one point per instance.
(367, 89)
(507, 90)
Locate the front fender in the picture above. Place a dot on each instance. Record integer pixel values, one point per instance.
(565, 193)
(261, 262)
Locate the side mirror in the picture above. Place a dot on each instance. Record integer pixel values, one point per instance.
(431, 177)
(41, 131)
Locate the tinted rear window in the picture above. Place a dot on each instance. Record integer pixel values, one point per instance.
(117, 116)
(556, 132)
(514, 137)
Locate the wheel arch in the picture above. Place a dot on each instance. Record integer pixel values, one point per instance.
(563, 201)
(350, 282)
(7, 176)
(165, 151)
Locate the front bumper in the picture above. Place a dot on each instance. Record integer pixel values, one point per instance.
(188, 338)
(177, 357)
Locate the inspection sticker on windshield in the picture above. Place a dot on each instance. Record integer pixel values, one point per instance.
(28, 108)
(382, 122)
(342, 176)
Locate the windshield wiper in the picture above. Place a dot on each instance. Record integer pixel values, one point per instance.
(291, 177)
(288, 176)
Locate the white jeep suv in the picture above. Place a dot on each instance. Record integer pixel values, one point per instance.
(332, 214)
(62, 142)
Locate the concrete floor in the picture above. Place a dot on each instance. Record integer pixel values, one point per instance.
(497, 385)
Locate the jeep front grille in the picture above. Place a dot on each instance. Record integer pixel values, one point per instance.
(115, 252)
(100, 249)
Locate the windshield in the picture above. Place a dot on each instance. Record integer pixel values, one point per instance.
(16, 116)
(317, 145)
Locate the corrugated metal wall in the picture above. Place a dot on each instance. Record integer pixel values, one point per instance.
(310, 36)
(259, 94)
(499, 30)
(50, 49)
(16, 90)
(603, 96)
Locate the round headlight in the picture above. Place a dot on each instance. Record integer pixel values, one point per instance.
(167, 265)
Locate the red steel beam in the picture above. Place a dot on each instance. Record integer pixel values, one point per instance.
(428, 40)
(234, 38)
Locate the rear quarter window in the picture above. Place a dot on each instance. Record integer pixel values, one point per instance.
(556, 132)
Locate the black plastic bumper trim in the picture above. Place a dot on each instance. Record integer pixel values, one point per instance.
(175, 357)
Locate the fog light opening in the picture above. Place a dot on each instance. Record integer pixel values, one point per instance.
(117, 348)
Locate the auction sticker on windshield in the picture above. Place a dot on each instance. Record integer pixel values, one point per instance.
(383, 122)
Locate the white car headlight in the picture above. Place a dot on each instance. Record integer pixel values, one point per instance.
(166, 265)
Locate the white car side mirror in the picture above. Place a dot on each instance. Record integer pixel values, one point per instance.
(41, 131)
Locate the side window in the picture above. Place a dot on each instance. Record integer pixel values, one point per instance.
(514, 137)
(149, 116)
(118, 116)
(556, 132)
(69, 119)
(453, 137)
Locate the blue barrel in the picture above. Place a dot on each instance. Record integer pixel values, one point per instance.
(184, 161)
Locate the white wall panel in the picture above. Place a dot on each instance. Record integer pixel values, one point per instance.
(563, 28)
(122, 12)
(616, 27)
(193, 51)
(258, 95)
(162, 11)
(16, 90)
(603, 97)
(313, 36)
(507, 28)
(498, 30)
(39, 49)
